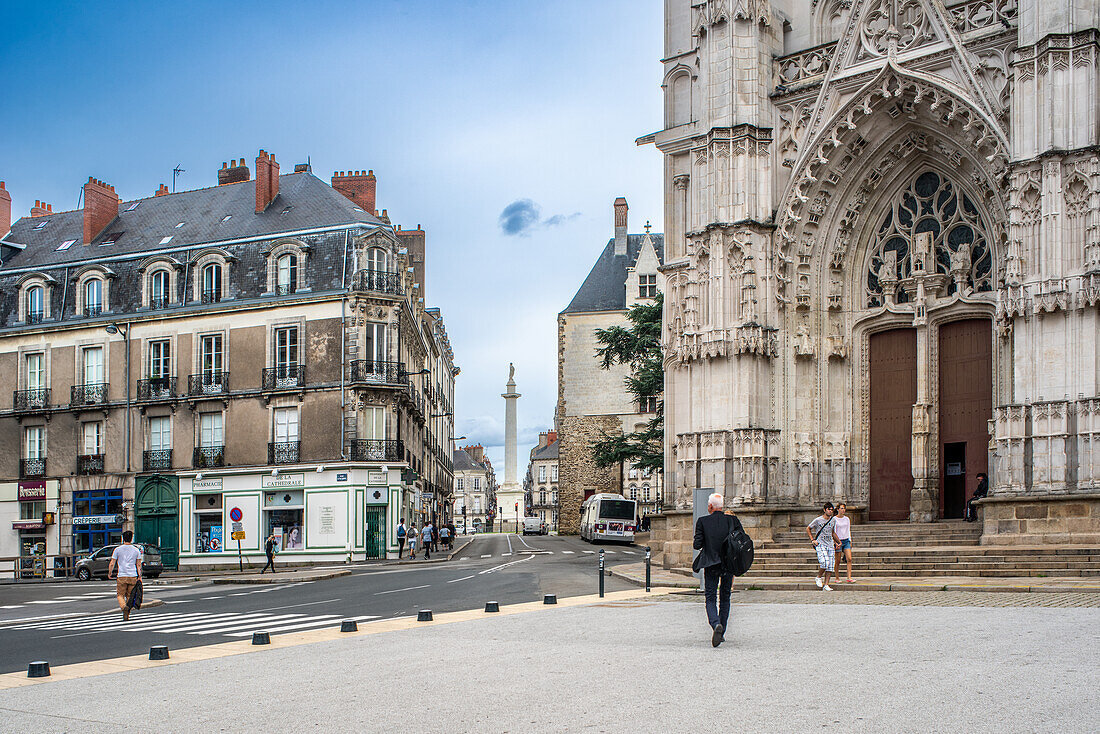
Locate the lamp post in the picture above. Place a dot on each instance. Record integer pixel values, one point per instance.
(124, 329)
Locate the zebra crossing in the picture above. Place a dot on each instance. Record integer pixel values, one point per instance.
(226, 624)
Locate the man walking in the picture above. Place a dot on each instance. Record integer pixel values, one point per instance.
(402, 533)
(127, 559)
(711, 532)
(269, 549)
(426, 534)
(823, 537)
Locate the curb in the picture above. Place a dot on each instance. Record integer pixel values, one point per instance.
(449, 556)
(74, 615)
(288, 579)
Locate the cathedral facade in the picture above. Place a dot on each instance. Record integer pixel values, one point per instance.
(882, 260)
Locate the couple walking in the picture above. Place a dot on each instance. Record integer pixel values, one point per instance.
(831, 536)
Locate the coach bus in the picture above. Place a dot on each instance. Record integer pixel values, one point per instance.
(608, 517)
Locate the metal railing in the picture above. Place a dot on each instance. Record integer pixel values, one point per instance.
(283, 452)
(383, 373)
(213, 296)
(159, 302)
(91, 394)
(208, 456)
(35, 317)
(157, 459)
(378, 281)
(93, 310)
(38, 399)
(208, 383)
(90, 463)
(156, 388)
(283, 289)
(283, 377)
(32, 467)
(373, 449)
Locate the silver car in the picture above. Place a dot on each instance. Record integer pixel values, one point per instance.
(98, 562)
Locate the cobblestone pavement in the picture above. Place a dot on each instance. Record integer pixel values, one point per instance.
(905, 598)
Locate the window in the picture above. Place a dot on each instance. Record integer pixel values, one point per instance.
(133, 206)
(477, 484)
(477, 504)
(34, 442)
(66, 245)
(88, 537)
(286, 349)
(648, 405)
(283, 516)
(553, 472)
(166, 240)
(36, 304)
(210, 430)
(542, 497)
(211, 283)
(160, 433)
(374, 423)
(93, 366)
(36, 371)
(377, 260)
(32, 510)
(92, 438)
(633, 492)
(542, 473)
(111, 238)
(632, 473)
(286, 425)
(160, 359)
(375, 347)
(159, 289)
(93, 297)
(211, 356)
(645, 493)
(458, 484)
(208, 521)
(286, 274)
(554, 495)
(647, 286)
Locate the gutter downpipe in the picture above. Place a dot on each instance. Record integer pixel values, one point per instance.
(343, 337)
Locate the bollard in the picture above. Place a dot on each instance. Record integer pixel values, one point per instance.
(261, 638)
(492, 606)
(158, 652)
(601, 573)
(424, 615)
(550, 599)
(349, 625)
(38, 669)
(647, 571)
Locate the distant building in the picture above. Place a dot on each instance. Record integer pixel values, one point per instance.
(474, 484)
(540, 485)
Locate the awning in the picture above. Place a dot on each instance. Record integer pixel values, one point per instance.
(28, 525)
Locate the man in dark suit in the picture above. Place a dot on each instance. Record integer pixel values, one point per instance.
(711, 532)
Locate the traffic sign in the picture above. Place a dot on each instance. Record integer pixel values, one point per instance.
(238, 535)
(235, 514)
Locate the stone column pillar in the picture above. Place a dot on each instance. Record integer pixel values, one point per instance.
(924, 499)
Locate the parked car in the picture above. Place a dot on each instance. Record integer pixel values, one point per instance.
(97, 563)
(534, 526)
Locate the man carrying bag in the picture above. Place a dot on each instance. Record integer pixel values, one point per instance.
(718, 538)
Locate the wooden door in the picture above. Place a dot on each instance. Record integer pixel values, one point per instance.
(156, 515)
(966, 405)
(893, 363)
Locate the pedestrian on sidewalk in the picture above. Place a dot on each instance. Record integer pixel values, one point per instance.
(445, 537)
(413, 537)
(822, 532)
(127, 560)
(435, 537)
(844, 532)
(269, 548)
(402, 533)
(711, 532)
(981, 491)
(427, 533)
(451, 527)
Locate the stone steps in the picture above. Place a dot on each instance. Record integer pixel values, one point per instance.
(910, 573)
(960, 568)
(955, 551)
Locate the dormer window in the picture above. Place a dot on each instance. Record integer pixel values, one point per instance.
(93, 297)
(212, 283)
(286, 274)
(159, 289)
(111, 238)
(378, 260)
(647, 286)
(36, 304)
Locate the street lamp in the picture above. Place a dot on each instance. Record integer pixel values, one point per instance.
(124, 329)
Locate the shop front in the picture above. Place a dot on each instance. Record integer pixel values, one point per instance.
(31, 509)
(97, 518)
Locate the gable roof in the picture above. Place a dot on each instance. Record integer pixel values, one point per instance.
(464, 462)
(605, 287)
(549, 451)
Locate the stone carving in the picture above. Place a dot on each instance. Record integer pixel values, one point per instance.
(803, 342)
(893, 26)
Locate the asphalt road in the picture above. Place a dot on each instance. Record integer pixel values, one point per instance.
(504, 568)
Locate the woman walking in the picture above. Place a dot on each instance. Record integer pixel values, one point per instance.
(822, 532)
(413, 537)
(844, 532)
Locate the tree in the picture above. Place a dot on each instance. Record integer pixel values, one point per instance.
(638, 346)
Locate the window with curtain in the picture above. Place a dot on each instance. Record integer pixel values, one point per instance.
(93, 297)
(286, 274)
(160, 433)
(36, 304)
(210, 430)
(93, 365)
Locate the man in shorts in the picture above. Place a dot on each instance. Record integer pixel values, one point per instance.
(822, 532)
(127, 558)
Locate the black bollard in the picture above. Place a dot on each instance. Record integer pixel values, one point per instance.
(647, 571)
(424, 615)
(601, 573)
(492, 606)
(261, 638)
(38, 669)
(158, 652)
(349, 625)
(550, 599)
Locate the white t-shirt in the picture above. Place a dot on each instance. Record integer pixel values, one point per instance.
(127, 557)
(844, 528)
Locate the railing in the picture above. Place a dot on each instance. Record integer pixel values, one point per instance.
(89, 463)
(38, 399)
(976, 14)
(35, 317)
(157, 459)
(384, 373)
(211, 296)
(802, 65)
(283, 377)
(157, 388)
(93, 310)
(372, 449)
(158, 302)
(284, 289)
(32, 467)
(283, 452)
(208, 456)
(416, 402)
(95, 394)
(378, 281)
(208, 383)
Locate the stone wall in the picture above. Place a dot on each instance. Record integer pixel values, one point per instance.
(577, 471)
(1032, 521)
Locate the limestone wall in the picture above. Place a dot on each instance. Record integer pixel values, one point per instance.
(577, 472)
(1022, 521)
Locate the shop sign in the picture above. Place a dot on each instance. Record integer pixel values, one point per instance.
(30, 491)
(28, 525)
(97, 519)
(282, 481)
(342, 477)
(207, 485)
(376, 477)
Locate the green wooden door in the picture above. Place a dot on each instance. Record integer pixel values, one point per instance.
(156, 515)
(375, 532)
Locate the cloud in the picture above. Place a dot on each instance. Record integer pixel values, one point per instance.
(523, 215)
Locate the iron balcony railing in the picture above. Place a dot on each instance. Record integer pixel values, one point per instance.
(91, 394)
(157, 459)
(32, 467)
(208, 383)
(208, 456)
(93, 310)
(158, 302)
(156, 388)
(416, 402)
(383, 373)
(284, 289)
(38, 399)
(283, 452)
(211, 296)
(283, 377)
(35, 317)
(373, 449)
(89, 463)
(378, 281)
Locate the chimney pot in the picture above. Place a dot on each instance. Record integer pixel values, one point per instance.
(5, 210)
(235, 172)
(100, 208)
(360, 188)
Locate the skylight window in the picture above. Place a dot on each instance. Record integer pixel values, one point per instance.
(133, 206)
(179, 225)
(111, 238)
(284, 211)
(166, 240)
(357, 209)
(65, 245)
(226, 218)
(40, 225)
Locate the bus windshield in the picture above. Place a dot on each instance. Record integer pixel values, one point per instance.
(616, 510)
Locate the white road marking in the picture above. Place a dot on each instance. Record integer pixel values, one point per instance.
(410, 588)
(509, 539)
(464, 558)
(51, 601)
(588, 551)
(504, 565)
(629, 553)
(487, 555)
(567, 552)
(505, 554)
(464, 578)
(208, 598)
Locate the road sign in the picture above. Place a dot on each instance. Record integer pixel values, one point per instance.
(238, 527)
(235, 514)
(238, 535)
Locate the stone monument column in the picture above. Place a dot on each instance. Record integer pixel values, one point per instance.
(510, 494)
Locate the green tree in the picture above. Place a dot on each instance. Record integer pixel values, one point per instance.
(639, 347)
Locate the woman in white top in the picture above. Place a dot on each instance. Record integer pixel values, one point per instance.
(844, 532)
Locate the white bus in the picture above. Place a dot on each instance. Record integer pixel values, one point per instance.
(608, 517)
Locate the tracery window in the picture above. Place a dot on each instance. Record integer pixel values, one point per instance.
(931, 203)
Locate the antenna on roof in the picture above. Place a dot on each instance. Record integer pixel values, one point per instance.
(176, 172)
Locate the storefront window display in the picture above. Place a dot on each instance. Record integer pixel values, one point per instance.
(208, 523)
(283, 516)
(96, 519)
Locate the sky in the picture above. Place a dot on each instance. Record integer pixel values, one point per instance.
(505, 128)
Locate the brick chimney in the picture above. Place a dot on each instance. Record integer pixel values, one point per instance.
(551, 437)
(162, 191)
(233, 172)
(359, 186)
(100, 208)
(41, 209)
(267, 181)
(5, 210)
(620, 226)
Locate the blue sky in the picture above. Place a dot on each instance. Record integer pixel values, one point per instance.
(462, 108)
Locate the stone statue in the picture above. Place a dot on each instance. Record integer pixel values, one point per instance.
(511, 372)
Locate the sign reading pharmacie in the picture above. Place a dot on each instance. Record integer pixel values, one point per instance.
(283, 481)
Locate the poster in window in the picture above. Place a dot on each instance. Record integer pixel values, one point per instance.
(214, 542)
(294, 540)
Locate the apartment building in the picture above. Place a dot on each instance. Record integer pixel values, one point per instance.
(540, 485)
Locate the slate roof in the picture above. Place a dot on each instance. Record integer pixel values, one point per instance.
(604, 288)
(464, 462)
(312, 204)
(546, 452)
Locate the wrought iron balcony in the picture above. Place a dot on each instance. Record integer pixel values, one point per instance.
(416, 401)
(157, 388)
(35, 317)
(372, 449)
(284, 289)
(378, 281)
(90, 463)
(284, 377)
(208, 456)
(158, 302)
(29, 400)
(157, 460)
(382, 373)
(91, 394)
(29, 468)
(283, 452)
(93, 310)
(208, 383)
(211, 296)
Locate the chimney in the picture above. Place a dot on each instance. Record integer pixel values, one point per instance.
(162, 191)
(620, 226)
(551, 437)
(41, 209)
(233, 172)
(267, 181)
(5, 210)
(542, 440)
(100, 208)
(303, 168)
(359, 186)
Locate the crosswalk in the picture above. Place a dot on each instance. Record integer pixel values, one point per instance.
(544, 552)
(227, 624)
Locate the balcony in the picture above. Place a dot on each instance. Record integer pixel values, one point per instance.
(35, 317)
(373, 449)
(157, 388)
(381, 373)
(208, 383)
(90, 463)
(416, 401)
(378, 281)
(208, 456)
(212, 296)
(23, 401)
(93, 310)
(91, 394)
(284, 377)
(157, 460)
(283, 452)
(158, 303)
(30, 468)
(284, 289)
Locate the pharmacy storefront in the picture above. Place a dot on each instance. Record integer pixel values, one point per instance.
(326, 515)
